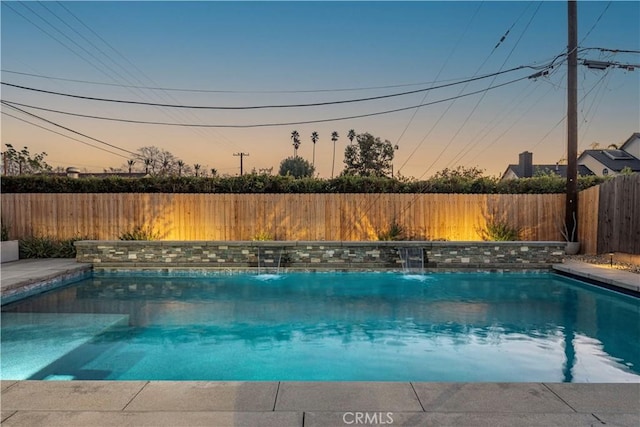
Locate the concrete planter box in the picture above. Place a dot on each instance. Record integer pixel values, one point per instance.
(9, 250)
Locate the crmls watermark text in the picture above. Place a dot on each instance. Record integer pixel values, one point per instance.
(375, 418)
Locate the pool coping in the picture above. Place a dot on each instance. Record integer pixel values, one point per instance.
(69, 403)
(80, 403)
(603, 276)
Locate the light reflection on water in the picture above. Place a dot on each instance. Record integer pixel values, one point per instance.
(338, 326)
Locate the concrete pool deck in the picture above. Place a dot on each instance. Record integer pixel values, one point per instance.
(196, 403)
(282, 404)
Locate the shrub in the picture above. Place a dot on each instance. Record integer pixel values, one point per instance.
(263, 236)
(262, 183)
(5, 232)
(47, 247)
(140, 232)
(499, 229)
(395, 231)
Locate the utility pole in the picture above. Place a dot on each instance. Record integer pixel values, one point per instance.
(241, 157)
(571, 209)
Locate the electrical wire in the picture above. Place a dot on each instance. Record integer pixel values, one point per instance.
(596, 22)
(253, 107)
(446, 61)
(199, 132)
(105, 67)
(9, 104)
(204, 125)
(170, 89)
(475, 107)
(61, 134)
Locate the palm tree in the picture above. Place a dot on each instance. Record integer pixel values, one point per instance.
(334, 138)
(165, 166)
(351, 135)
(214, 172)
(197, 167)
(314, 139)
(295, 136)
(131, 162)
(180, 164)
(147, 163)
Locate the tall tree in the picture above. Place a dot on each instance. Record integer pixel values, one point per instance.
(197, 167)
(147, 165)
(370, 156)
(158, 161)
(351, 135)
(334, 138)
(314, 139)
(180, 165)
(296, 167)
(22, 162)
(295, 137)
(130, 163)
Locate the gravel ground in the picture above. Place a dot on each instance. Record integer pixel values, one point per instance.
(606, 260)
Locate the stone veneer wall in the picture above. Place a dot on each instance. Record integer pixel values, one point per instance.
(322, 255)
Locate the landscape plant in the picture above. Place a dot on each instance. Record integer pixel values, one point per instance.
(394, 231)
(48, 247)
(140, 232)
(263, 183)
(497, 228)
(262, 236)
(5, 231)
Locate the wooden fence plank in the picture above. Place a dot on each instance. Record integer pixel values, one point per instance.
(327, 216)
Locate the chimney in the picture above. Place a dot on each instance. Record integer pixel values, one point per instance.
(73, 172)
(526, 164)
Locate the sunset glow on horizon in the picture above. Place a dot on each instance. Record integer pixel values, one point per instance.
(291, 54)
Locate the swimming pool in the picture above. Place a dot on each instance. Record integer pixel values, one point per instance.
(514, 327)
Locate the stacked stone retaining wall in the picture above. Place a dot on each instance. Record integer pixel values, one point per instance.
(317, 255)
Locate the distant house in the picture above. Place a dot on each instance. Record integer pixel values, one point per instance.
(526, 169)
(608, 162)
(632, 145)
(75, 173)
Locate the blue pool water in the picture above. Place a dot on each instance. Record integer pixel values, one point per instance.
(325, 326)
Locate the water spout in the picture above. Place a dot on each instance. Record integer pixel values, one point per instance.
(412, 259)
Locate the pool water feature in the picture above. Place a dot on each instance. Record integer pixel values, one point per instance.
(514, 327)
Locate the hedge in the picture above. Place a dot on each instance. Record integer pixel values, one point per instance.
(254, 183)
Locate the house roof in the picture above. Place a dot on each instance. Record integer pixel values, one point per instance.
(540, 169)
(105, 174)
(631, 139)
(613, 160)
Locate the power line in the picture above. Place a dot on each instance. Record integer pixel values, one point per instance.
(444, 113)
(466, 120)
(61, 134)
(254, 125)
(198, 132)
(253, 107)
(597, 21)
(415, 112)
(170, 89)
(9, 104)
(602, 49)
(565, 116)
(105, 67)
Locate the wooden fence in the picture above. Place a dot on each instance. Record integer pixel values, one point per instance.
(588, 201)
(280, 216)
(619, 215)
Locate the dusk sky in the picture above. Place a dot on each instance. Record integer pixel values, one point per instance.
(241, 54)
